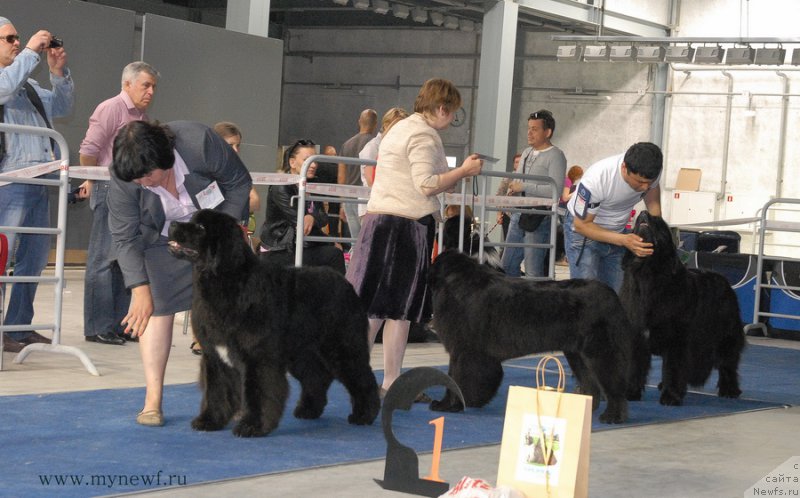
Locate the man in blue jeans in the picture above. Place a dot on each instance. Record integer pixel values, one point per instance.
(594, 225)
(542, 158)
(24, 102)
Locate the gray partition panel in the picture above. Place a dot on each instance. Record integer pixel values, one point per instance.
(210, 74)
(99, 42)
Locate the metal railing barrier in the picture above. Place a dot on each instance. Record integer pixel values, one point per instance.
(60, 231)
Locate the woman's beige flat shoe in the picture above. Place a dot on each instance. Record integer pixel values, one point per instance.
(153, 418)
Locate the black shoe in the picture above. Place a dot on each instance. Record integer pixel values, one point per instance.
(35, 337)
(107, 338)
(12, 345)
(127, 337)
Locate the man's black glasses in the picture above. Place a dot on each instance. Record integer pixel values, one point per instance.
(10, 38)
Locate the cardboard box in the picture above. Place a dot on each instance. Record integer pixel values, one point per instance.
(688, 179)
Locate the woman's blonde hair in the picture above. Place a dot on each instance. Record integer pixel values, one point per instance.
(435, 93)
(391, 117)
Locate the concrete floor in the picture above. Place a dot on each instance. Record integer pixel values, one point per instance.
(716, 457)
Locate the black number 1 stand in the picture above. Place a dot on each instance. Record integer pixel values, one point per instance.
(402, 464)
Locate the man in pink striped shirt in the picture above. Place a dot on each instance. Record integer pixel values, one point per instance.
(106, 300)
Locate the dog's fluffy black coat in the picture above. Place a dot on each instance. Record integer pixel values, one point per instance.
(471, 243)
(256, 321)
(692, 315)
(484, 318)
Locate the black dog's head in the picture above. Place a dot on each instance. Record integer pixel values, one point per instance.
(451, 266)
(211, 240)
(654, 229)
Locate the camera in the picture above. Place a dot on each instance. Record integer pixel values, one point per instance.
(56, 43)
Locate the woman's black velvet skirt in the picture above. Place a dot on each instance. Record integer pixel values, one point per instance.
(389, 267)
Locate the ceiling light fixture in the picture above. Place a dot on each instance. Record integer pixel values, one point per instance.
(361, 4)
(593, 53)
(400, 10)
(466, 25)
(795, 57)
(380, 6)
(709, 55)
(740, 55)
(451, 22)
(622, 53)
(679, 53)
(340, 2)
(437, 18)
(568, 52)
(650, 53)
(770, 56)
(419, 15)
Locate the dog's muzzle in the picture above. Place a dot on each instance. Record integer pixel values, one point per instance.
(176, 249)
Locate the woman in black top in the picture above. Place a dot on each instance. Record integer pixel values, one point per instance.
(280, 225)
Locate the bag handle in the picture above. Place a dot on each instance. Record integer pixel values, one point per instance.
(546, 441)
(541, 370)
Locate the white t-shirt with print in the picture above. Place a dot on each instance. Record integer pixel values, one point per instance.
(603, 192)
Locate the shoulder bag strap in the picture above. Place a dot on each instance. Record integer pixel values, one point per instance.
(2, 133)
(37, 103)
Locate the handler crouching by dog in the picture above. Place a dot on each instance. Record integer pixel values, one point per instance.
(161, 174)
(594, 226)
(389, 269)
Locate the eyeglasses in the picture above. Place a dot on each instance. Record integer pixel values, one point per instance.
(10, 39)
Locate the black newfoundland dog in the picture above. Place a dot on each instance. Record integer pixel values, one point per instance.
(692, 315)
(484, 318)
(256, 321)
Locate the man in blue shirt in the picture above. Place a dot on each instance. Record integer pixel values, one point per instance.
(22, 204)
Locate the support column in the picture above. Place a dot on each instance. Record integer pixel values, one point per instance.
(495, 82)
(248, 16)
(658, 116)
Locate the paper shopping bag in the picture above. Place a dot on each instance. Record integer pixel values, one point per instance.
(545, 446)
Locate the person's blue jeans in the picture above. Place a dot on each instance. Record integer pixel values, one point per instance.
(353, 222)
(23, 205)
(105, 298)
(535, 258)
(591, 259)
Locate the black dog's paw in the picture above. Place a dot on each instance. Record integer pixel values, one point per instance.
(616, 412)
(361, 418)
(307, 412)
(634, 395)
(446, 405)
(204, 423)
(250, 428)
(609, 417)
(670, 399)
(729, 392)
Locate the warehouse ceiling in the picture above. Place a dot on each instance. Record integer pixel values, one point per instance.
(359, 14)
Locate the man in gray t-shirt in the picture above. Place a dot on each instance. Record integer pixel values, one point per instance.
(351, 174)
(542, 158)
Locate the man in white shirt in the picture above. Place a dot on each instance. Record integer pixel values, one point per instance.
(594, 225)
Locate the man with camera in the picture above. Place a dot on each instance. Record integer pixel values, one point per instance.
(24, 102)
(105, 299)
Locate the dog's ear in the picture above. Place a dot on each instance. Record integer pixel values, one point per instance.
(224, 247)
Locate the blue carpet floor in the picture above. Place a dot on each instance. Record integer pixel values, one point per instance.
(87, 443)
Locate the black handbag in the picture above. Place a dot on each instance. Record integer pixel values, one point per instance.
(279, 236)
(530, 222)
